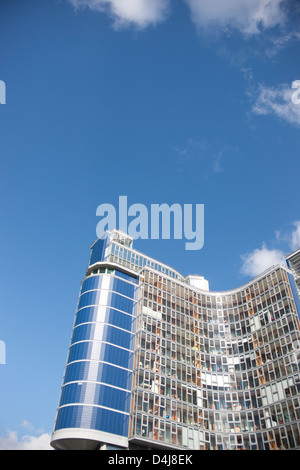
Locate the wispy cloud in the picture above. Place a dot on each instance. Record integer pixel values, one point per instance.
(27, 425)
(277, 101)
(138, 13)
(216, 166)
(260, 259)
(211, 155)
(281, 41)
(292, 238)
(192, 150)
(295, 239)
(250, 17)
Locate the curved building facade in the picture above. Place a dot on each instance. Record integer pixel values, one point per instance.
(95, 398)
(156, 360)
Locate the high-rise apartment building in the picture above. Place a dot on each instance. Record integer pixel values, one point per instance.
(158, 361)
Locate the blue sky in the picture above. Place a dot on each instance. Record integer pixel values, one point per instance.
(182, 101)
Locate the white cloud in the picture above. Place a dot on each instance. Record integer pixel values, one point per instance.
(278, 101)
(140, 13)
(28, 442)
(261, 259)
(250, 17)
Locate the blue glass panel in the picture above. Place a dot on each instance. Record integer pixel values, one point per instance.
(127, 277)
(109, 334)
(86, 314)
(121, 303)
(82, 332)
(117, 285)
(89, 298)
(107, 353)
(106, 373)
(96, 394)
(123, 287)
(117, 356)
(89, 417)
(118, 337)
(98, 251)
(92, 282)
(114, 300)
(111, 316)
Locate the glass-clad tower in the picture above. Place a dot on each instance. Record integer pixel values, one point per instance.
(157, 360)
